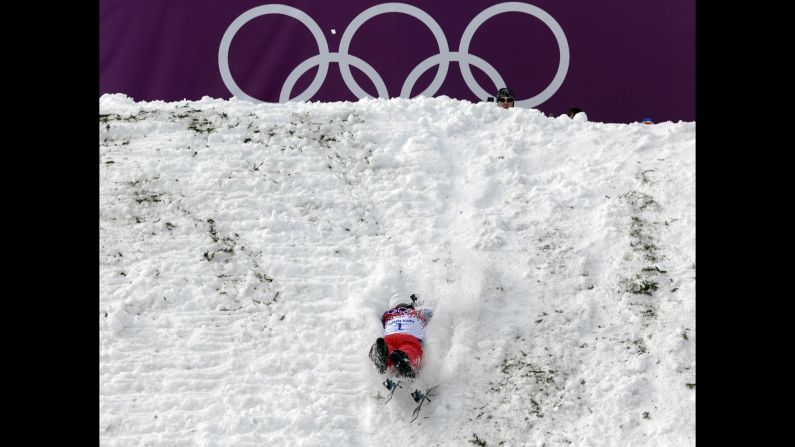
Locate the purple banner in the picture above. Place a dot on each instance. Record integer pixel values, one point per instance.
(618, 60)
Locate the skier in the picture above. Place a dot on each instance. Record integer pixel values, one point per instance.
(401, 345)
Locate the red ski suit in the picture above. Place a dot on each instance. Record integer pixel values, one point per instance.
(404, 329)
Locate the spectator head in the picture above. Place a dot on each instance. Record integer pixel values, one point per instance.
(573, 111)
(505, 98)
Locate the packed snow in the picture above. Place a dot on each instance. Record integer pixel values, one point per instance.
(247, 252)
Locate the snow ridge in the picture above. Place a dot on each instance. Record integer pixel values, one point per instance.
(248, 250)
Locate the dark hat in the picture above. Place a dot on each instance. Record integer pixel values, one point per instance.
(505, 92)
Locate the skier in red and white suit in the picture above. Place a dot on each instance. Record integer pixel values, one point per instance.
(401, 346)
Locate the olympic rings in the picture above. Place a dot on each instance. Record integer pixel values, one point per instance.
(442, 59)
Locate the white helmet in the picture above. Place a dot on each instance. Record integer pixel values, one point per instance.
(395, 300)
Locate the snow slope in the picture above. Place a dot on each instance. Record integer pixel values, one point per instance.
(247, 252)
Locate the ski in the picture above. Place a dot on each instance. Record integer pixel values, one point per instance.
(421, 398)
(418, 396)
(391, 387)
